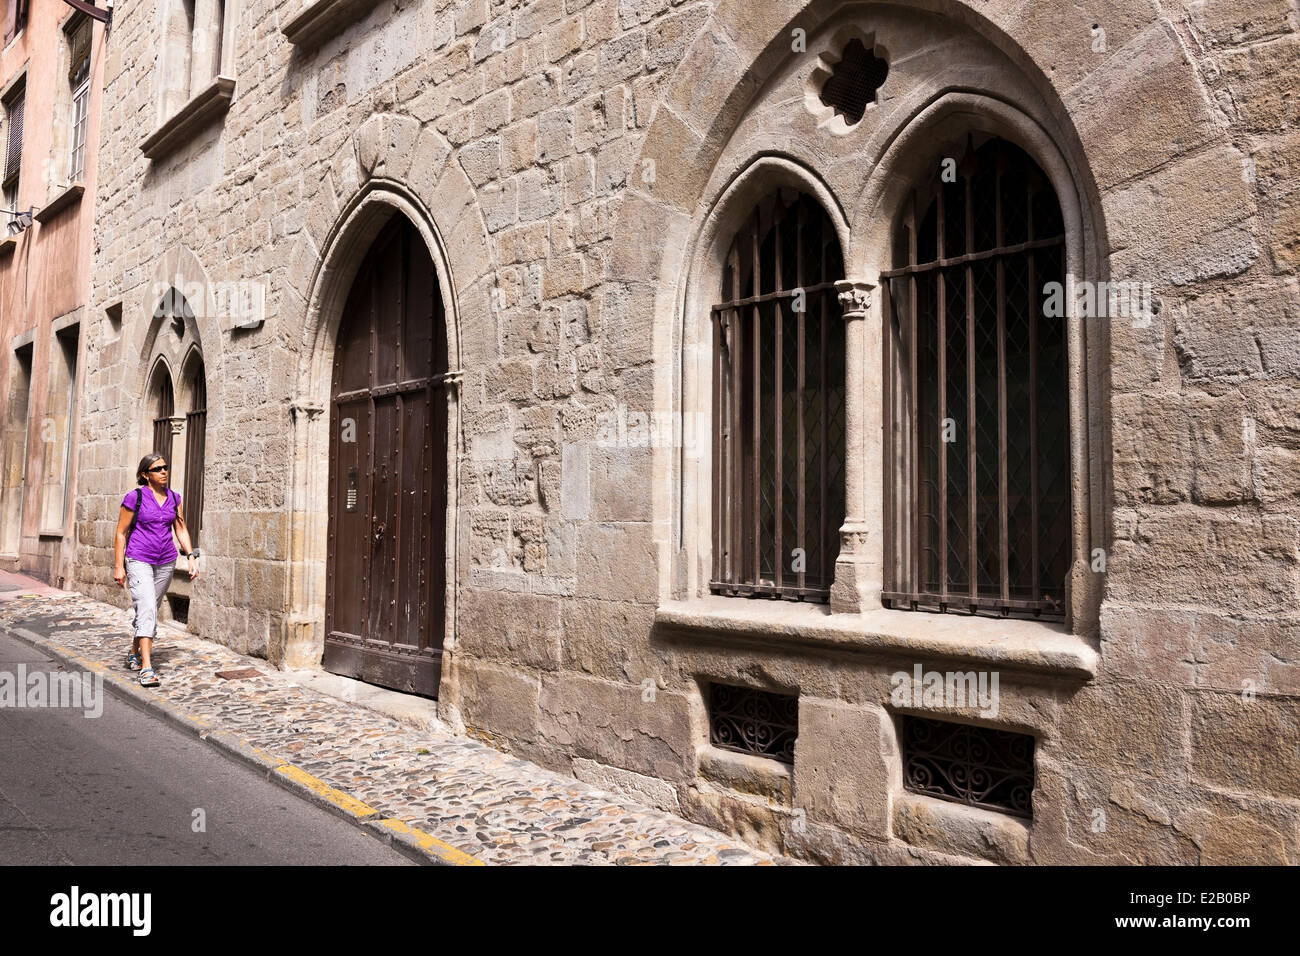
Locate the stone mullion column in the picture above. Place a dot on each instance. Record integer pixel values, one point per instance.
(858, 569)
(176, 476)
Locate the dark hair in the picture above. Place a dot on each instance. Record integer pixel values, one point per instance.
(145, 464)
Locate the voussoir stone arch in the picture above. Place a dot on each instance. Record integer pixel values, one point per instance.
(389, 161)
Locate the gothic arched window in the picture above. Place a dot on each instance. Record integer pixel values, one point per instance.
(977, 480)
(163, 406)
(778, 404)
(196, 423)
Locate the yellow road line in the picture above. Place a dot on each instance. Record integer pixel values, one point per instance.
(319, 787)
(431, 844)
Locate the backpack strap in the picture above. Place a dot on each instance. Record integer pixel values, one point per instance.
(135, 516)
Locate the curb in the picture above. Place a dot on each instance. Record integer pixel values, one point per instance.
(405, 839)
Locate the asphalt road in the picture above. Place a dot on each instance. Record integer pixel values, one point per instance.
(122, 788)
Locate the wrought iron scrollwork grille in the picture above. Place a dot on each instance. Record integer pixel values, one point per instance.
(977, 766)
(977, 475)
(778, 406)
(753, 721)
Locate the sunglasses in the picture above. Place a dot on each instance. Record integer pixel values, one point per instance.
(158, 468)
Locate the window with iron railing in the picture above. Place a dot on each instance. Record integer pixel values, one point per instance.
(778, 405)
(196, 427)
(164, 408)
(977, 471)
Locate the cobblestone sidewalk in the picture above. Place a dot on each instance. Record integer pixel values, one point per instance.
(489, 805)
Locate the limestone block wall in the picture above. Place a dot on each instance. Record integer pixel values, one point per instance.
(571, 165)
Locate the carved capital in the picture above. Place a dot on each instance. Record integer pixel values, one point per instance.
(854, 539)
(855, 298)
(308, 410)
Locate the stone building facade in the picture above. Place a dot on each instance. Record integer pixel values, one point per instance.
(579, 177)
(51, 70)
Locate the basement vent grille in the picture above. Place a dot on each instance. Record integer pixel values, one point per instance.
(753, 721)
(977, 766)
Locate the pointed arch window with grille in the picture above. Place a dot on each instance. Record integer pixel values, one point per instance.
(778, 405)
(196, 426)
(164, 406)
(977, 470)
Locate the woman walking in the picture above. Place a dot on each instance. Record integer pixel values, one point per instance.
(145, 555)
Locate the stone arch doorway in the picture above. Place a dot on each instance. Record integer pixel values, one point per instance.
(387, 490)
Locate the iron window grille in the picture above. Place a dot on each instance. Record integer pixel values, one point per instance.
(751, 721)
(162, 422)
(778, 406)
(977, 471)
(977, 766)
(196, 424)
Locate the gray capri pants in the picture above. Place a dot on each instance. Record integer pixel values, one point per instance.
(148, 583)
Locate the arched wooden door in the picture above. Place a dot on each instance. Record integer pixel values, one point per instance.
(388, 472)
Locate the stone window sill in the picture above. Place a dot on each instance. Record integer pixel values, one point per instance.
(7, 245)
(940, 825)
(68, 197)
(202, 108)
(322, 19)
(746, 773)
(1019, 645)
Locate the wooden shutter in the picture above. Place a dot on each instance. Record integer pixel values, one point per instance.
(14, 146)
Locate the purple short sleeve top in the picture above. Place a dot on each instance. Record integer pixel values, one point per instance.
(151, 541)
